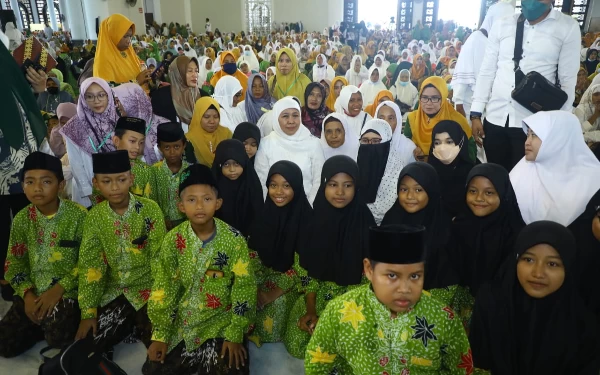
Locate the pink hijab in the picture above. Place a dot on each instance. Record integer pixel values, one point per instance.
(68, 110)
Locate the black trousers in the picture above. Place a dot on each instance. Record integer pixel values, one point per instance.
(10, 205)
(503, 145)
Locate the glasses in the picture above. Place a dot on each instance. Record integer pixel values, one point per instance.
(371, 141)
(92, 98)
(433, 99)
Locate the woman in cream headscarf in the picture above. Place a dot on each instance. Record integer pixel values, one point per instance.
(588, 113)
(321, 70)
(288, 81)
(358, 73)
(373, 86)
(250, 58)
(205, 133)
(406, 93)
(350, 105)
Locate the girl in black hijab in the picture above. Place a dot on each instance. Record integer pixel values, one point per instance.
(249, 135)
(419, 203)
(591, 62)
(338, 244)
(533, 321)
(449, 155)
(238, 185)
(277, 236)
(373, 158)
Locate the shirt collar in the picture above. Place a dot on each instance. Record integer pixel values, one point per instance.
(551, 16)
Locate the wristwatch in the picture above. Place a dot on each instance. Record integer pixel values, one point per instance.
(475, 115)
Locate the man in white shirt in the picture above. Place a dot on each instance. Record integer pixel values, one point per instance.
(551, 41)
(208, 26)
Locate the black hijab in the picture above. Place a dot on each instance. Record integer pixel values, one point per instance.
(433, 217)
(453, 175)
(481, 245)
(339, 236)
(590, 66)
(279, 232)
(247, 130)
(514, 333)
(372, 160)
(242, 198)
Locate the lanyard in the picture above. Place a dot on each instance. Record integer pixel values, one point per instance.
(101, 144)
(292, 85)
(149, 126)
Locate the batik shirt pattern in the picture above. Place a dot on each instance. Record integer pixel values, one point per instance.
(43, 251)
(141, 173)
(165, 189)
(202, 290)
(117, 254)
(428, 339)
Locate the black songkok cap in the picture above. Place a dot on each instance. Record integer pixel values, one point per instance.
(111, 162)
(170, 132)
(196, 174)
(39, 160)
(397, 244)
(132, 123)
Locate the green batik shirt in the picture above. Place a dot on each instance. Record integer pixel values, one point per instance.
(428, 339)
(43, 251)
(141, 174)
(202, 290)
(165, 189)
(117, 254)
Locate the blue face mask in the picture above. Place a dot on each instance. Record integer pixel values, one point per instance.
(229, 68)
(533, 9)
(449, 85)
(247, 53)
(402, 83)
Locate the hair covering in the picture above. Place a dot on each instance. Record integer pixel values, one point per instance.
(242, 198)
(111, 64)
(225, 90)
(40, 160)
(514, 333)
(67, 110)
(564, 163)
(205, 143)
(151, 61)
(91, 131)
(397, 244)
(292, 84)
(483, 244)
(339, 236)
(293, 143)
(397, 112)
(370, 109)
(256, 107)
(313, 118)
(355, 78)
(351, 143)
(372, 158)
(169, 132)
(421, 125)
(202, 71)
(330, 102)
(241, 77)
(370, 89)
(111, 162)
(196, 174)
(278, 233)
(247, 130)
(184, 96)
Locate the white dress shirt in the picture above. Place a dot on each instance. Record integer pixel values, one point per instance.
(554, 41)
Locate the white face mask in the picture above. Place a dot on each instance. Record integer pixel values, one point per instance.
(446, 153)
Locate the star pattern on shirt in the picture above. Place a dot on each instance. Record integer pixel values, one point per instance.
(352, 313)
(241, 308)
(221, 260)
(318, 356)
(240, 268)
(423, 330)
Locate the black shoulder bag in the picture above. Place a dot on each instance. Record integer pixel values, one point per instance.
(533, 91)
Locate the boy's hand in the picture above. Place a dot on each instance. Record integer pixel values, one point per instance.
(264, 298)
(48, 300)
(157, 351)
(85, 326)
(237, 353)
(308, 322)
(30, 307)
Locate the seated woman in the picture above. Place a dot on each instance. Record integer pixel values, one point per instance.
(389, 112)
(205, 73)
(588, 114)
(358, 73)
(434, 107)
(49, 100)
(322, 70)
(314, 111)
(350, 104)
(390, 72)
(337, 138)
(343, 64)
(258, 98)
(229, 68)
(407, 95)
(205, 132)
(228, 93)
(373, 86)
(534, 321)
(290, 140)
(63, 86)
(288, 81)
(337, 84)
(382, 96)
(419, 71)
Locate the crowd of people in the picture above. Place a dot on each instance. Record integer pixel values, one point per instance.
(379, 204)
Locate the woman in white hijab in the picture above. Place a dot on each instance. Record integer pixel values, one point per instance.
(290, 140)
(350, 105)
(379, 62)
(337, 137)
(358, 73)
(250, 58)
(203, 70)
(406, 93)
(228, 93)
(15, 37)
(588, 114)
(559, 173)
(321, 70)
(373, 85)
(189, 51)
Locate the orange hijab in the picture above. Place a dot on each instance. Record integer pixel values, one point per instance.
(331, 98)
(417, 73)
(238, 74)
(371, 108)
(422, 125)
(205, 143)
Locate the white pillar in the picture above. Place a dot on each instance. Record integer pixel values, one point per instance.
(157, 14)
(66, 23)
(52, 14)
(14, 4)
(187, 8)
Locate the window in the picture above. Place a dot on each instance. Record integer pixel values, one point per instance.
(405, 15)
(6, 5)
(26, 14)
(430, 13)
(41, 11)
(258, 16)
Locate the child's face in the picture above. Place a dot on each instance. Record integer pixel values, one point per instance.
(131, 141)
(540, 271)
(251, 147)
(232, 170)
(199, 203)
(397, 286)
(482, 197)
(411, 195)
(41, 187)
(114, 187)
(280, 191)
(172, 151)
(340, 190)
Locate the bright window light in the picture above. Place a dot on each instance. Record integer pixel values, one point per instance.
(377, 11)
(466, 14)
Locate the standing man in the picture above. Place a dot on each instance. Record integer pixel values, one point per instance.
(551, 44)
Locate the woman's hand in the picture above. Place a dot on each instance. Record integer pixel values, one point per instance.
(144, 77)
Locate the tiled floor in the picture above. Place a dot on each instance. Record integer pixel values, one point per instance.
(270, 359)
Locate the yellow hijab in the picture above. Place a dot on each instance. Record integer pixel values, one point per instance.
(205, 143)
(422, 125)
(238, 74)
(332, 98)
(111, 64)
(292, 84)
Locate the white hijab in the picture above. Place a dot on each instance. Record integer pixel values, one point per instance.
(400, 144)
(251, 59)
(559, 184)
(225, 90)
(370, 89)
(202, 71)
(356, 123)
(406, 94)
(354, 78)
(322, 72)
(351, 142)
(191, 53)
(297, 141)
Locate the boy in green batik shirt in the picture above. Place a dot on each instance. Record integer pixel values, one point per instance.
(41, 263)
(121, 242)
(391, 326)
(204, 293)
(130, 135)
(167, 172)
